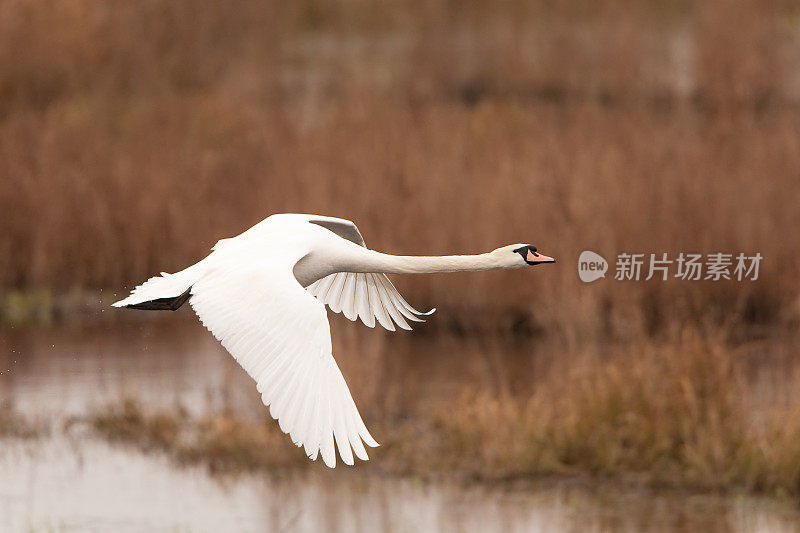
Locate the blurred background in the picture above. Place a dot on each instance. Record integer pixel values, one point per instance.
(133, 136)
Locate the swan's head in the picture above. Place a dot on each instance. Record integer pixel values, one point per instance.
(520, 255)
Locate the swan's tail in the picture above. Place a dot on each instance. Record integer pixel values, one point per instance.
(165, 292)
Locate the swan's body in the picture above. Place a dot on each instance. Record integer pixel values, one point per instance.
(262, 294)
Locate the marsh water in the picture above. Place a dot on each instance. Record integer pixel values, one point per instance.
(70, 480)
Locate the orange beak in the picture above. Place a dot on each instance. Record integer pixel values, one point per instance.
(535, 258)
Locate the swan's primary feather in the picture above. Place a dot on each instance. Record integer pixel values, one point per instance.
(365, 296)
(279, 334)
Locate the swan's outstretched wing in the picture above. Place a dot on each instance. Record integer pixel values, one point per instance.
(280, 335)
(367, 296)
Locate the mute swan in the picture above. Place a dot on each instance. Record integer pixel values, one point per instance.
(262, 294)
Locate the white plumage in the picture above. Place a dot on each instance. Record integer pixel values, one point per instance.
(366, 296)
(249, 292)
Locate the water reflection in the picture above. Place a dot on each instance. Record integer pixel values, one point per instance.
(57, 485)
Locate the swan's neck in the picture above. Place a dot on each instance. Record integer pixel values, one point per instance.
(372, 261)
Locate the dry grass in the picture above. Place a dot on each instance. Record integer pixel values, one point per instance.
(14, 424)
(221, 441)
(669, 412)
(681, 413)
(437, 127)
(127, 422)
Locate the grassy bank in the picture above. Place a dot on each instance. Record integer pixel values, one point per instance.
(680, 414)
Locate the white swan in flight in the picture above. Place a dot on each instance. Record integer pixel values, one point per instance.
(263, 294)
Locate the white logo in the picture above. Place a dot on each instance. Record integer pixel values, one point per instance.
(591, 266)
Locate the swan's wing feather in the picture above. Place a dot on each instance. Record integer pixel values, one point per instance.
(362, 296)
(280, 335)
(343, 228)
(366, 296)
